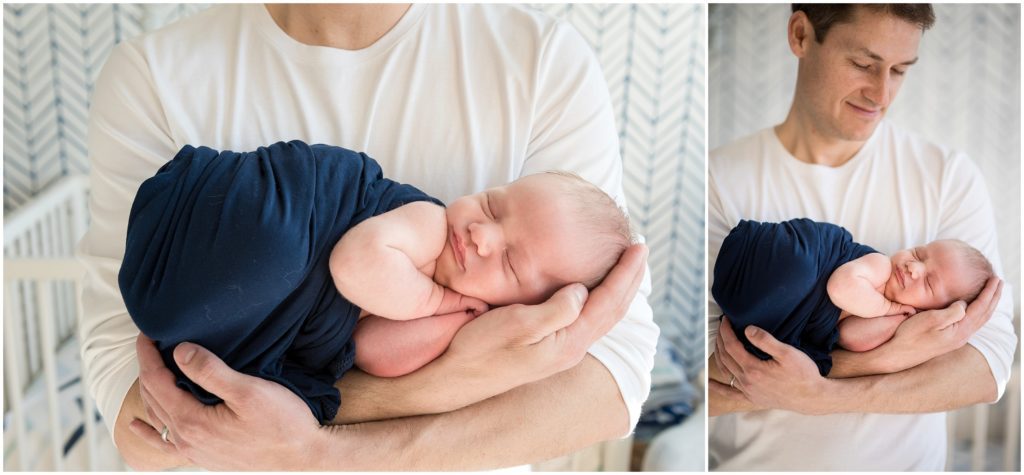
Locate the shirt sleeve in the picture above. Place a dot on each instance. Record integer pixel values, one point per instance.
(718, 228)
(967, 215)
(128, 140)
(573, 129)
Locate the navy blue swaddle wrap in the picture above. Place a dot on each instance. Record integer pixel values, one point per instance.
(775, 276)
(230, 251)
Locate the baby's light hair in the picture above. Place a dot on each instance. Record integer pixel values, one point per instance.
(980, 267)
(603, 221)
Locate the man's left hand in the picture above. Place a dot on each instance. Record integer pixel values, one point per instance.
(260, 425)
(790, 380)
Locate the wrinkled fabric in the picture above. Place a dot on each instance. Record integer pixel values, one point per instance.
(230, 251)
(775, 276)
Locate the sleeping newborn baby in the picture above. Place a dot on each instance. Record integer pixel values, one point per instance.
(811, 286)
(270, 258)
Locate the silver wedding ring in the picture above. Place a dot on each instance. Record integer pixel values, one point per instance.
(732, 384)
(164, 433)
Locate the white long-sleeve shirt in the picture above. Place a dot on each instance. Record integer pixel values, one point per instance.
(454, 99)
(898, 191)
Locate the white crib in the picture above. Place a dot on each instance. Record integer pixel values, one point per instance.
(50, 423)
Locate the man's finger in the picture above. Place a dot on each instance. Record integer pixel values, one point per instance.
(608, 302)
(950, 316)
(211, 373)
(156, 414)
(725, 359)
(978, 313)
(158, 383)
(725, 391)
(149, 356)
(152, 437)
(734, 347)
(767, 343)
(555, 314)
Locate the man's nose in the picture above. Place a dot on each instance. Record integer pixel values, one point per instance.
(879, 91)
(487, 238)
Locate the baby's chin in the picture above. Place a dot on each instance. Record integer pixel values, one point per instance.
(889, 290)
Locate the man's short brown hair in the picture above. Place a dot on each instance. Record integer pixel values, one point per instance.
(823, 16)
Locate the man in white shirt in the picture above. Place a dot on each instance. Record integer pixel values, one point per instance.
(450, 98)
(835, 159)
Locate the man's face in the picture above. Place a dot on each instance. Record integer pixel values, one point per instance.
(512, 244)
(847, 82)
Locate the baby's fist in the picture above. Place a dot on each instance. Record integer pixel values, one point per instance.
(475, 306)
(907, 310)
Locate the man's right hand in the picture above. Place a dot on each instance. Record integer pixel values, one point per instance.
(933, 333)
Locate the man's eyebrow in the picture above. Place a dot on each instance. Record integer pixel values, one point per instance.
(876, 57)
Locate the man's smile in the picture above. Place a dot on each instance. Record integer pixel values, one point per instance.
(866, 112)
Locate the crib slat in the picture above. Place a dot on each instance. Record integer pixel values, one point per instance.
(1011, 433)
(49, 344)
(13, 354)
(980, 445)
(56, 239)
(31, 323)
(88, 405)
(46, 234)
(951, 440)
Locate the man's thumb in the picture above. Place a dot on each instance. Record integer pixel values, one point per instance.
(208, 371)
(562, 309)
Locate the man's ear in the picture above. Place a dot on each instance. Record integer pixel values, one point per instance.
(800, 33)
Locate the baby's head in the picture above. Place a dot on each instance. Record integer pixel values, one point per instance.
(520, 242)
(937, 274)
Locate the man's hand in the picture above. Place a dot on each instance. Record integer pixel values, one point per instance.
(261, 425)
(936, 332)
(790, 380)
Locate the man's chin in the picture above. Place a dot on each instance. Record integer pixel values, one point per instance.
(859, 130)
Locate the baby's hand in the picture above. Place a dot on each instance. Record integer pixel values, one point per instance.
(896, 308)
(456, 302)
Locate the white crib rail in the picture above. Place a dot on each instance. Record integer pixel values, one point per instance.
(974, 426)
(41, 280)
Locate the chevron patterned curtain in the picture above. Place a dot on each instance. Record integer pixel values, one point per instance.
(964, 92)
(652, 57)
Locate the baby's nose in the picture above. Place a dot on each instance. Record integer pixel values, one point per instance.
(486, 239)
(915, 268)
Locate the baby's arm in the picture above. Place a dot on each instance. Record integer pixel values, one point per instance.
(866, 334)
(854, 286)
(377, 265)
(389, 348)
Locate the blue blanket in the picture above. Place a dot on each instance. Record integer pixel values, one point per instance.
(774, 276)
(230, 251)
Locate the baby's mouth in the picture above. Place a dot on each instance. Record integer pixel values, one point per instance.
(901, 278)
(457, 249)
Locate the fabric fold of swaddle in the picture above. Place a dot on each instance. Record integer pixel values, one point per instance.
(230, 251)
(775, 275)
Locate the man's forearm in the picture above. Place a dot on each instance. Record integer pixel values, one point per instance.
(531, 423)
(951, 381)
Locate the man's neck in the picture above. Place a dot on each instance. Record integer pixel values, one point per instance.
(343, 26)
(806, 143)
